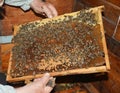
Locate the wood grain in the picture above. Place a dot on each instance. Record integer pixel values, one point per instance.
(116, 2)
(5, 56)
(116, 34)
(113, 82)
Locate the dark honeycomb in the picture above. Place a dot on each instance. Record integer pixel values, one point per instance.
(58, 45)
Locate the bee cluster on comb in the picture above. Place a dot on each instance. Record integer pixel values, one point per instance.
(72, 42)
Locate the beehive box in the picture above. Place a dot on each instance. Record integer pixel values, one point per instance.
(68, 44)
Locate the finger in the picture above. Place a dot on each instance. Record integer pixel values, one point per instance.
(51, 82)
(50, 85)
(45, 79)
(53, 10)
(47, 11)
(48, 89)
(1, 2)
(38, 79)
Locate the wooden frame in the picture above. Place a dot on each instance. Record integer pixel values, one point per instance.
(103, 68)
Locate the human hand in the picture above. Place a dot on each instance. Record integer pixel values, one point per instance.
(1, 2)
(46, 8)
(37, 86)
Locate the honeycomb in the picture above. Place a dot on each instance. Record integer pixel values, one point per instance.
(73, 42)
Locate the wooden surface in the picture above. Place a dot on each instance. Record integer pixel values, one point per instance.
(73, 90)
(116, 34)
(16, 16)
(5, 55)
(115, 2)
(112, 83)
(63, 6)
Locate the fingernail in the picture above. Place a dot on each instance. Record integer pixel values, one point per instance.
(47, 74)
(51, 82)
(50, 16)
